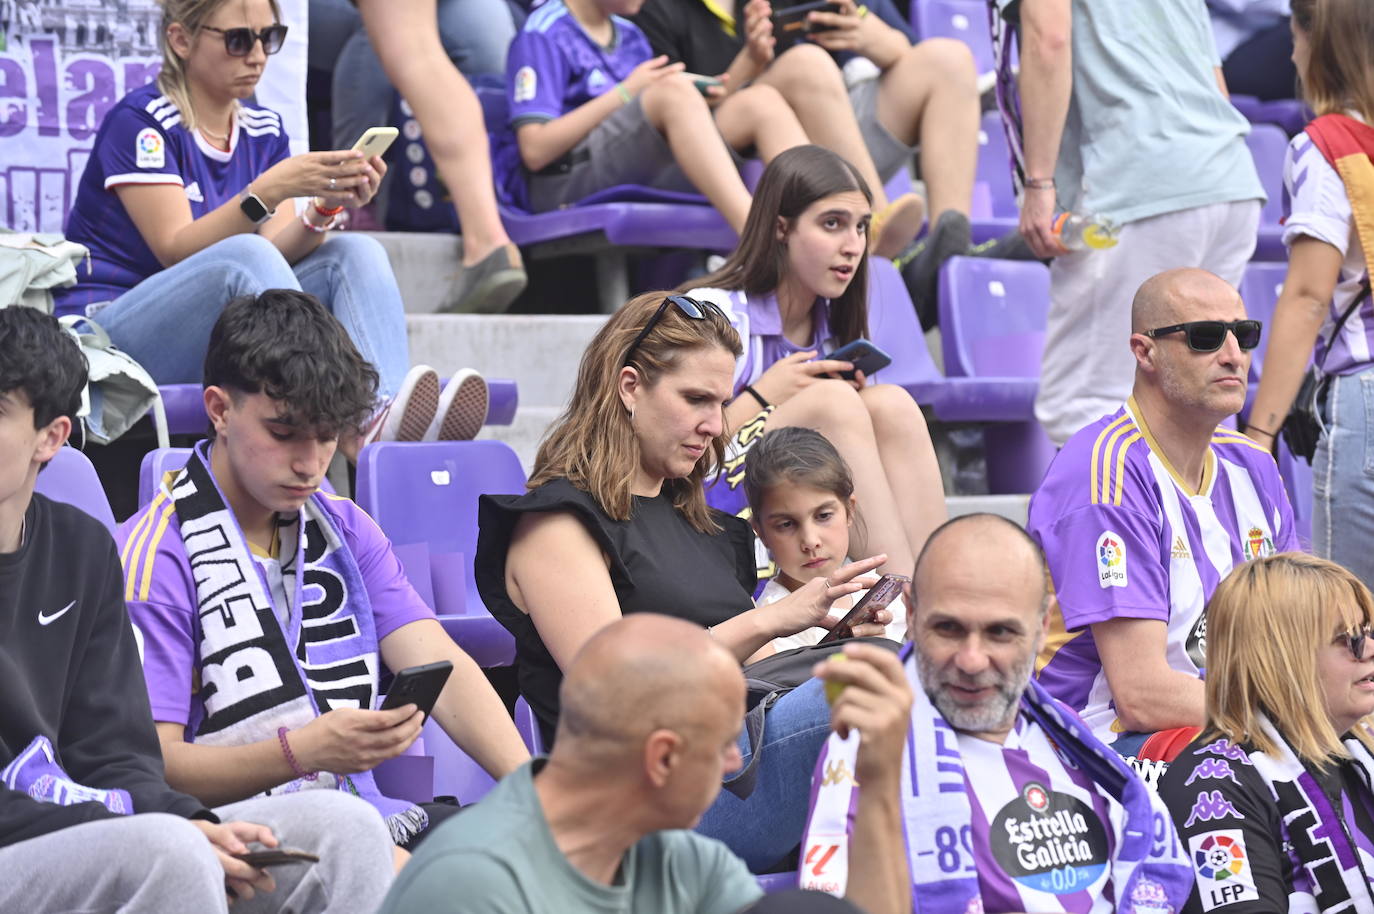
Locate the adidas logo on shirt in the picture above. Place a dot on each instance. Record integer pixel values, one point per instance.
(1180, 550)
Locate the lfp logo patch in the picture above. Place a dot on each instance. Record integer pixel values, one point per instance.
(1111, 560)
(148, 149)
(1223, 868)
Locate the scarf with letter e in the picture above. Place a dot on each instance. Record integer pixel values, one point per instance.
(256, 677)
(1149, 874)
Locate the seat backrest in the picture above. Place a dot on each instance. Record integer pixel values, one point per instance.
(1259, 289)
(966, 20)
(69, 477)
(893, 326)
(992, 316)
(495, 107)
(155, 464)
(994, 167)
(1267, 144)
(426, 492)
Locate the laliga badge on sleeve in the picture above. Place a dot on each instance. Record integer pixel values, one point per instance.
(526, 82)
(149, 151)
(1223, 868)
(1111, 560)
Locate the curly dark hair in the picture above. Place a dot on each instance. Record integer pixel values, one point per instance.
(287, 345)
(43, 361)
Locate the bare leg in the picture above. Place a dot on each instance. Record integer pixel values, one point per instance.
(406, 38)
(758, 116)
(677, 110)
(813, 86)
(930, 96)
(908, 458)
(835, 409)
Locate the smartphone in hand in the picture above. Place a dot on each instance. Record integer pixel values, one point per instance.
(375, 141)
(277, 856)
(790, 24)
(865, 356)
(419, 686)
(704, 84)
(880, 596)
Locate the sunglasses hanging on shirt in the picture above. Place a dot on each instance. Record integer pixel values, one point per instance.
(239, 42)
(1208, 336)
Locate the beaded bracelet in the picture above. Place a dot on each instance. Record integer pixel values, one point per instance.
(625, 96)
(291, 758)
(319, 229)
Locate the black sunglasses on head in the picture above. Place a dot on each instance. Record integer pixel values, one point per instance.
(1208, 336)
(1356, 641)
(689, 307)
(239, 42)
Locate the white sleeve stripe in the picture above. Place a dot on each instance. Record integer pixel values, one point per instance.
(141, 178)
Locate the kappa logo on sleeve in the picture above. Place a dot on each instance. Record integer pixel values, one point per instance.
(526, 84)
(149, 151)
(1223, 869)
(1111, 560)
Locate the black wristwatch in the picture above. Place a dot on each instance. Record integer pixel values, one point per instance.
(253, 207)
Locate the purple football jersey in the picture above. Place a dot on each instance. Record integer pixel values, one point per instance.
(1126, 537)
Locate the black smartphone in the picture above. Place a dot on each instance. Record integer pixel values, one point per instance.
(419, 686)
(790, 24)
(279, 856)
(879, 596)
(866, 357)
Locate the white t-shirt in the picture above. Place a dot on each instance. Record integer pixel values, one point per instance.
(774, 591)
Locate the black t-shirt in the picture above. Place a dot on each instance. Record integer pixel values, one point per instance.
(658, 563)
(1233, 830)
(70, 671)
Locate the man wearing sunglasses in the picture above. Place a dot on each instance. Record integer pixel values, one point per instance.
(1146, 510)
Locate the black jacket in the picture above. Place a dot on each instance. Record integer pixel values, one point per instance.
(70, 671)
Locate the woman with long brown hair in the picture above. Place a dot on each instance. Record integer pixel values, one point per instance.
(616, 521)
(1273, 799)
(795, 289)
(1324, 310)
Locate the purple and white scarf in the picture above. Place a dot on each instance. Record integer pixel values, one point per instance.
(1149, 872)
(255, 677)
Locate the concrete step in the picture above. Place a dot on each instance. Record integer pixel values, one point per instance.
(425, 264)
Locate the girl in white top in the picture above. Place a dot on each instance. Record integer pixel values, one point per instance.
(802, 506)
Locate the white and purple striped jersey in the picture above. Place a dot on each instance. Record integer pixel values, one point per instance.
(1025, 859)
(758, 321)
(1320, 209)
(1126, 536)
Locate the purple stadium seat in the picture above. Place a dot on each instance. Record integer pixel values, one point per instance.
(528, 725)
(966, 20)
(185, 406)
(994, 171)
(455, 772)
(69, 477)
(1290, 114)
(1267, 145)
(627, 215)
(777, 882)
(992, 321)
(424, 495)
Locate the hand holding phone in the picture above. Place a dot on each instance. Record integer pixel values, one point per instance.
(880, 596)
(791, 24)
(863, 355)
(419, 686)
(375, 141)
(704, 84)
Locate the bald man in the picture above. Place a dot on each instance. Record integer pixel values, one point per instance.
(651, 710)
(1009, 802)
(1146, 510)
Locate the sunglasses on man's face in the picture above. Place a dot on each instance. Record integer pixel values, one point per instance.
(689, 307)
(1355, 641)
(1208, 336)
(239, 42)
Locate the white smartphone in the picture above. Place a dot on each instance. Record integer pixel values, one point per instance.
(375, 140)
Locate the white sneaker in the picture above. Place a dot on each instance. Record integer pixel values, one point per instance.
(462, 408)
(411, 412)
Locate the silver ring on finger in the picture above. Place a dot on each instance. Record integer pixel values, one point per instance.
(332, 183)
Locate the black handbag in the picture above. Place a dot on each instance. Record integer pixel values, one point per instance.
(1302, 427)
(771, 678)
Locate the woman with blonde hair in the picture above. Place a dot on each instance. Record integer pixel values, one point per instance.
(1274, 797)
(1324, 311)
(189, 201)
(616, 521)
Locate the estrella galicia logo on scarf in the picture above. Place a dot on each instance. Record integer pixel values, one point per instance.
(1049, 841)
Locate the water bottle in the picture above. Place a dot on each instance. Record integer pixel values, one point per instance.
(1084, 232)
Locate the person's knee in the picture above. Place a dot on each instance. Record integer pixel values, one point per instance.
(950, 58)
(831, 403)
(326, 818)
(807, 68)
(254, 264)
(892, 407)
(670, 97)
(167, 844)
(357, 251)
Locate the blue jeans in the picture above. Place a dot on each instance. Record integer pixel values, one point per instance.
(475, 33)
(1343, 476)
(164, 322)
(764, 828)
